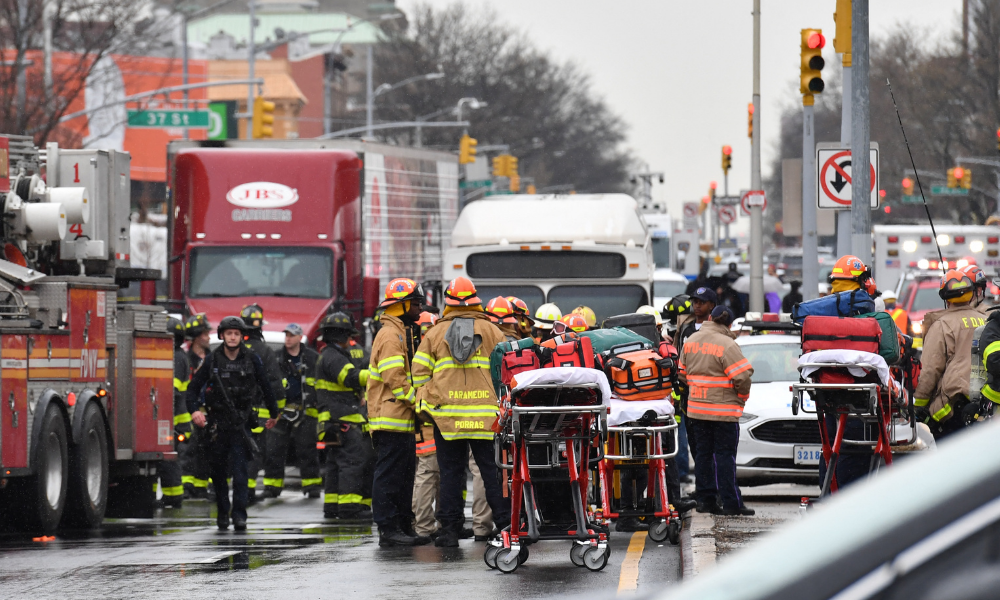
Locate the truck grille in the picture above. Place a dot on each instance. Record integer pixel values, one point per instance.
(788, 431)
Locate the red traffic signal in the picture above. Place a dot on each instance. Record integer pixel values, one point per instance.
(727, 150)
(816, 40)
(959, 173)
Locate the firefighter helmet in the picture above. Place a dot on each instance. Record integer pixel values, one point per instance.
(461, 292)
(851, 268)
(519, 305)
(588, 315)
(502, 310)
(228, 323)
(976, 274)
(956, 286)
(678, 305)
(426, 320)
(253, 316)
(570, 322)
(196, 325)
(649, 310)
(546, 315)
(338, 321)
(399, 290)
(176, 327)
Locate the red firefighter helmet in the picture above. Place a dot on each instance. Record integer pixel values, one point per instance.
(570, 322)
(461, 292)
(976, 274)
(955, 284)
(501, 310)
(851, 268)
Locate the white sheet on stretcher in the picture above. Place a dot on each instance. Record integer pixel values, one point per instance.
(568, 376)
(623, 411)
(848, 357)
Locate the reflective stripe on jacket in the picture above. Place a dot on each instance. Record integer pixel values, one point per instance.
(946, 360)
(338, 387)
(716, 373)
(459, 397)
(391, 396)
(989, 345)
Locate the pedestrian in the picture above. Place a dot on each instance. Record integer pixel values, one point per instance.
(946, 361)
(523, 315)
(341, 420)
(898, 314)
(791, 298)
(501, 313)
(194, 463)
(545, 317)
(253, 318)
(718, 379)
(171, 478)
(232, 378)
(391, 399)
(299, 418)
(452, 372)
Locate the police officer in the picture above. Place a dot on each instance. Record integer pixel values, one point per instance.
(194, 464)
(253, 319)
(298, 423)
(171, 482)
(341, 419)
(232, 377)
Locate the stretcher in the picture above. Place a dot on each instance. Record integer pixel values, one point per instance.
(853, 385)
(642, 435)
(551, 434)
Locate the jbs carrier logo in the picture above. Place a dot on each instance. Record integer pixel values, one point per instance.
(262, 201)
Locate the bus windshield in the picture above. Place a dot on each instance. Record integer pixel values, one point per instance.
(229, 271)
(605, 300)
(532, 296)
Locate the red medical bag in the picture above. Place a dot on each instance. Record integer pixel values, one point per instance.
(840, 333)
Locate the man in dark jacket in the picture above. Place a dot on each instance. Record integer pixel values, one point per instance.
(232, 378)
(194, 464)
(171, 482)
(298, 423)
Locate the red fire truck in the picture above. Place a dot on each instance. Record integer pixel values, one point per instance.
(303, 226)
(86, 383)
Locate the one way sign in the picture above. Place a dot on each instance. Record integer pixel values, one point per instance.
(833, 176)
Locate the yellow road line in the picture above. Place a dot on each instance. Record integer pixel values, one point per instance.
(629, 579)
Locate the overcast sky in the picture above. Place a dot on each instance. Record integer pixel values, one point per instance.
(680, 73)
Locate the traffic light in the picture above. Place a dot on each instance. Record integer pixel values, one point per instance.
(812, 63)
(704, 204)
(467, 150)
(711, 189)
(998, 140)
(964, 177)
(842, 35)
(907, 186)
(500, 166)
(515, 182)
(531, 189)
(727, 158)
(953, 177)
(512, 167)
(263, 118)
(750, 120)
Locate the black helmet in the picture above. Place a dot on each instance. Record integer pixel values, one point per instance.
(253, 316)
(176, 327)
(338, 321)
(678, 305)
(231, 323)
(196, 325)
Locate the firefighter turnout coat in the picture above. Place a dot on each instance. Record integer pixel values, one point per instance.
(716, 373)
(455, 388)
(989, 344)
(339, 386)
(391, 396)
(947, 360)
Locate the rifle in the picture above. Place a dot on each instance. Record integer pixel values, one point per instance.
(241, 424)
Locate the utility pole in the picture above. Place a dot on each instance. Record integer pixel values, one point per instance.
(842, 44)
(756, 212)
(21, 84)
(861, 215)
(370, 96)
(184, 60)
(252, 5)
(47, 10)
(810, 259)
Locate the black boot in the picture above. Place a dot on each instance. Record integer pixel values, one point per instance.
(685, 504)
(395, 537)
(419, 540)
(223, 522)
(239, 524)
(448, 536)
(630, 524)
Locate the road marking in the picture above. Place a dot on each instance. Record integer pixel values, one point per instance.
(629, 579)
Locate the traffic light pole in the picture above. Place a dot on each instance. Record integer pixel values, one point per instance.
(252, 5)
(810, 260)
(756, 212)
(725, 192)
(861, 216)
(844, 216)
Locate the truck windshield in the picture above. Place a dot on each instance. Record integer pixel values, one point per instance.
(532, 296)
(605, 300)
(927, 299)
(261, 271)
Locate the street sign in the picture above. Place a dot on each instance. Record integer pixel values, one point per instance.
(943, 190)
(727, 214)
(727, 200)
(691, 216)
(222, 123)
(475, 184)
(833, 176)
(753, 198)
(184, 119)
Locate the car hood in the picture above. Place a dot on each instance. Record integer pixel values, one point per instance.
(769, 398)
(278, 312)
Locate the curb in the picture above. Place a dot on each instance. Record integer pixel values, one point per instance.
(698, 549)
(687, 560)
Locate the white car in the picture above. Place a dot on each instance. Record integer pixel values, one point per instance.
(667, 283)
(776, 446)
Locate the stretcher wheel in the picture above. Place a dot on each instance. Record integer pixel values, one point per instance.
(576, 554)
(659, 531)
(490, 556)
(596, 559)
(674, 532)
(522, 556)
(507, 561)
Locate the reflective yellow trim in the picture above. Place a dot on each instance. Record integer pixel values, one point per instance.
(349, 499)
(331, 386)
(268, 481)
(182, 418)
(281, 403)
(390, 424)
(473, 363)
(180, 386)
(366, 501)
(422, 358)
(312, 412)
(310, 381)
(252, 484)
(263, 413)
(192, 480)
(312, 481)
(353, 418)
(257, 430)
(330, 498)
(177, 490)
(991, 394)
(993, 347)
(921, 401)
(343, 373)
(391, 362)
(461, 410)
(467, 435)
(284, 383)
(363, 377)
(323, 416)
(944, 412)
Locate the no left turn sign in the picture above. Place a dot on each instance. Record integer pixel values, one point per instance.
(834, 176)
(727, 214)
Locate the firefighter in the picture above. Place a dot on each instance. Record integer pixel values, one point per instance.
(298, 419)
(501, 313)
(451, 369)
(989, 343)
(426, 320)
(570, 322)
(978, 278)
(391, 399)
(849, 273)
(194, 464)
(703, 301)
(899, 316)
(340, 421)
(524, 320)
(360, 359)
(942, 390)
(253, 318)
(588, 315)
(232, 378)
(171, 482)
(718, 379)
(545, 317)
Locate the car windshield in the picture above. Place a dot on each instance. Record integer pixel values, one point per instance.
(261, 271)
(773, 362)
(927, 299)
(605, 300)
(668, 289)
(661, 252)
(532, 296)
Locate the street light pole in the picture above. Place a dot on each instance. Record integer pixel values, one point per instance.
(756, 212)
(861, 215)
(250, 45)
(369, 94)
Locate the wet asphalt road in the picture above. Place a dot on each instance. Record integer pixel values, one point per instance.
(290, 551)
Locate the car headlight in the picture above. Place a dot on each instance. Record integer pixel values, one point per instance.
(747, 417)
(917, 326)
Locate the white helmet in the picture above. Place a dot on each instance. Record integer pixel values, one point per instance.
(546, 315)
(646, 309)
(889, 296)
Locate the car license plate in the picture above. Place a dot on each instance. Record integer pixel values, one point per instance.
(807, 455)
